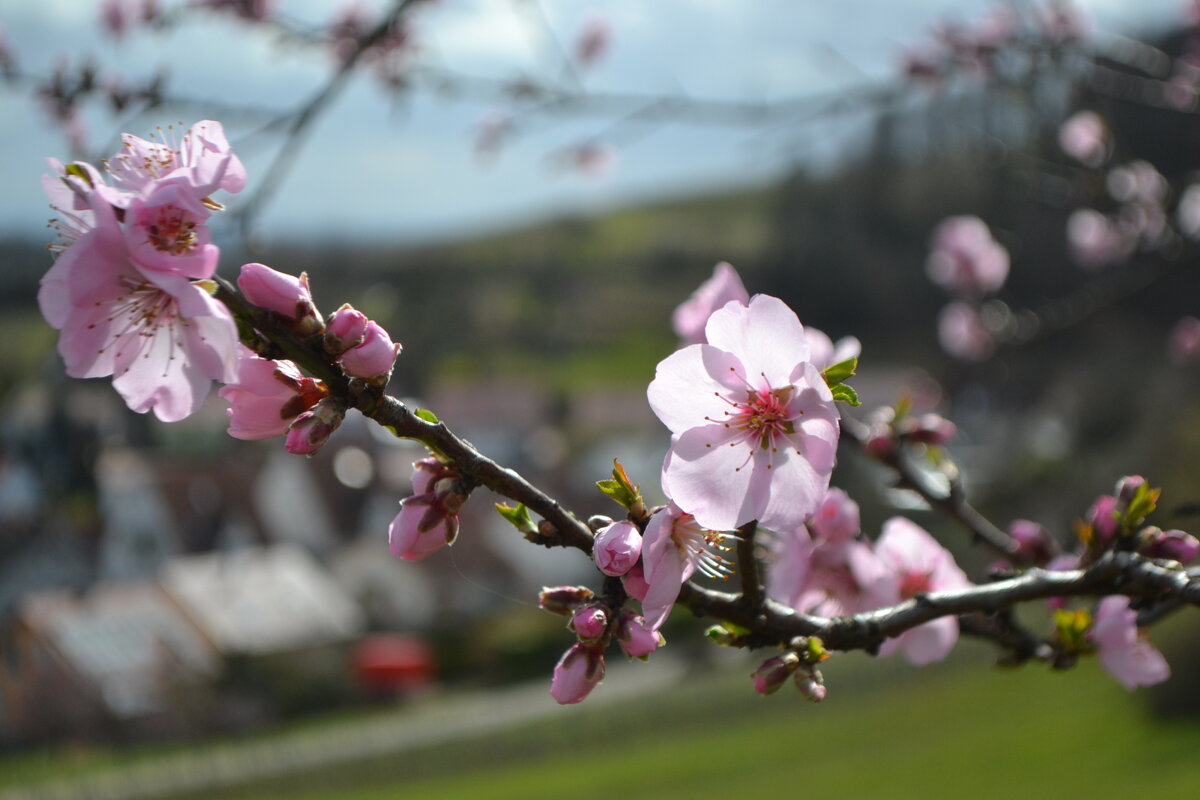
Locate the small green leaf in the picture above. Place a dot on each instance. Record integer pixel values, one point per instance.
(518, 517)
(1144, 501)
(814, 651)
(427, 415)
(839, 372)
(844, 394)
(621, 489)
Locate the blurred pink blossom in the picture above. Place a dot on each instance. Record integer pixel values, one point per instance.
(920, 564)
(692, 315)
(595, 37)
(962, 333)
(1096, 241)
(1183, 343)
(1122, 650)
(1084, 137)
(965, 259)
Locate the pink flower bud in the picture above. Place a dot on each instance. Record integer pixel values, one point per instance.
(1033, 541)
(372, 359)
(267, 396)
(811, 684)
(277, 291)
(617, 548)
(635, 582)
(1174, 545)
(1102, 516)
(1128, 487)
(563, 600)
(345, 329)
(637, 639)
(928, 429)
(310, 430)
(578, 672)
(589, 623)
(773, 672)
(880, 441)
(422, 527)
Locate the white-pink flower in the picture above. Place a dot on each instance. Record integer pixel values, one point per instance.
(162, 338)
(201, 155)
(1121, 649)
(1084, 137)
(962, 334)
(754, 426)
(673, 548)
(692, 315)
(920, 565)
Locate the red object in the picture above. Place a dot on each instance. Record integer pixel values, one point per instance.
(393, 662)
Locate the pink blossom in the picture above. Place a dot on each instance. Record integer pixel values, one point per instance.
(1096, 240)
(276, 291)
(1034, 544)
(927, 429)
(579, 671)
(836, 519)
(267, 396)
(374, 357)
(965, 259)
(165, 229)
(690, 318)
(754, 425)
(115, 17)
(962, 333)
(636, 637)
(920, 565)
(1175, 545)
(1183, 343)
(617, 548)
(674, 547)
(491, 130)
(593, 159)
(163, 338)
(201, 155)
(1084, 137)
(828, 578)
(589, 623)
(1121, 649)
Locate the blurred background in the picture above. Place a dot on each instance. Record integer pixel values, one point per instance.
(521, 192)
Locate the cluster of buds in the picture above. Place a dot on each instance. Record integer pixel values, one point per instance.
(595, 625)
(891, 427)
(428, 521)
(362, 346)
(798, 664)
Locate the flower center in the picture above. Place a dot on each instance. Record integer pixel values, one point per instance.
(172, 231)
(765, 416)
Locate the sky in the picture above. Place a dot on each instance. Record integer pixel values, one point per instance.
(378, 168)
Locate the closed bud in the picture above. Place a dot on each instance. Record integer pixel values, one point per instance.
(811, 684)
(1102, 516)
(773, 672)
(563, 600)
(310, 430)
(282, 293)
(579, 671)
(880, 441)
(589, 623)
(1127, 487)
(373, 358)
(928, 429)
(617, 548)
(637, 639)
(1174, 545)
(345, 329)
(1034, 545)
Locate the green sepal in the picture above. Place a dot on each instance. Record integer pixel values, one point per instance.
(836, 374)
(723, 636)
(518, 517)
(79, 172)
(814, 651)
(1144, 501)
(427, 415)
(207, 285)
(844, 394)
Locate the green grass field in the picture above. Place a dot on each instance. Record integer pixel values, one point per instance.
(886, 731)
